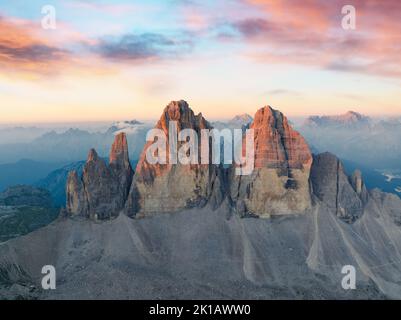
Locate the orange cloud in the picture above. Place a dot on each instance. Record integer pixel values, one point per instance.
(28, 51)
(24, 51)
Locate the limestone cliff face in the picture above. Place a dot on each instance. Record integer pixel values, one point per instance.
(102, 190)
(120, 164)
(279, 184)
(76, 202)
(159, 188)
(347, 196)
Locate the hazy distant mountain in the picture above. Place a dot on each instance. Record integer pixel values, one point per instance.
(55, 182)
(376, 144)
(350, 119)
(73, 144)
(238, 122)
(241, 120)
(128, 127)
(24, 171)
(10, 135)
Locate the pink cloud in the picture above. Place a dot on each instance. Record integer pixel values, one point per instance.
(310, 33)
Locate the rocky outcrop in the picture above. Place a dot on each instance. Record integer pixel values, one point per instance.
(102, 190)
(171, 187)
(120, 164)
(279, 183)
(347, 196)
(76, 203)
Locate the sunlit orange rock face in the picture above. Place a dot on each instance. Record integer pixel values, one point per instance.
(119, 149)
(279, 183)
(159, 188)
(182, 114)
(277, 145)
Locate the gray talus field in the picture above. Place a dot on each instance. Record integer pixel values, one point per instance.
(200, 254)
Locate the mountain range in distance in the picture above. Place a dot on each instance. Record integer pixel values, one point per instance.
(350, 119)
(72, 144)
(355, 138)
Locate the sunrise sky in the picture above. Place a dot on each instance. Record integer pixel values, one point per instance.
(111, 60)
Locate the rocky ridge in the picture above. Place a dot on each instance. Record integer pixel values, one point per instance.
(279, 184)
(287, 178)
(102, 190)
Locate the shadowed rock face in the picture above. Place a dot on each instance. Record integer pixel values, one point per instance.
(172, 187)
(102, 190)
(120, 164)
(170, 256)
(345, 195)
(279, 183)
(76, 202)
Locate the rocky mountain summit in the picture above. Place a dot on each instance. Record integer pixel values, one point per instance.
(172, 187)
(279, 184)
(102, 190)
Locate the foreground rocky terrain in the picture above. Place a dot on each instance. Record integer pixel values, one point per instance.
(203, 253)
(199, 231)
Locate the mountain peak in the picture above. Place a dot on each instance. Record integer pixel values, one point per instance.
(279, 183)
(119, 149)
(278, 145)
(92, 155)
(181, 112)
(352, 115)
(244, 117)
(101, 191)
(167, 187)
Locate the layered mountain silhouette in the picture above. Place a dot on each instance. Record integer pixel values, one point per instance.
(349, 119)
(356, 137)
(189, 230)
